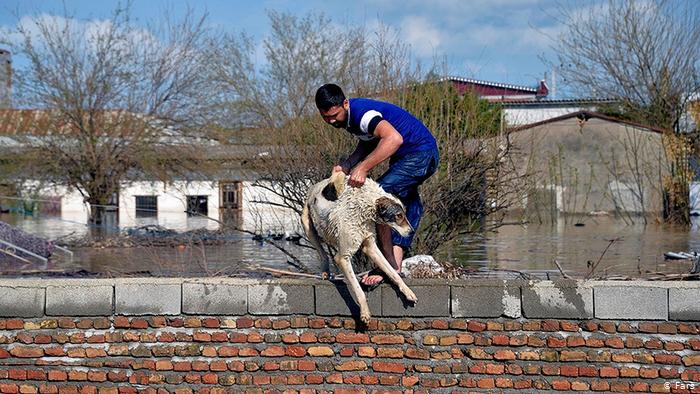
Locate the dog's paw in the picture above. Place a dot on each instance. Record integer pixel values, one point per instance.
(410, 295)
(365, 317)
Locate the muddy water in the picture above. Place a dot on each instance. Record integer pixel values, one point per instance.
(615, 247)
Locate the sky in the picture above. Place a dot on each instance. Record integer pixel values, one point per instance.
(493, 40)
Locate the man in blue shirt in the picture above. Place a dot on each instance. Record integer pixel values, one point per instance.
(385, 131)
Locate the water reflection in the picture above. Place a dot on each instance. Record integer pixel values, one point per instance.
(637, 249)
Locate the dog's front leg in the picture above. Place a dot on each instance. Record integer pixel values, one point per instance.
(344, 263)
(369, 247)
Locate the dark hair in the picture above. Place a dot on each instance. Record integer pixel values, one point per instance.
(329, 95)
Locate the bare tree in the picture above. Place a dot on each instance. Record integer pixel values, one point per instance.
(301, 54)
(111, 102)
(474, 185)
(646, 55)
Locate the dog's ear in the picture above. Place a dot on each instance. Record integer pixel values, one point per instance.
(389, 211)
(338, 180)
(335, 186)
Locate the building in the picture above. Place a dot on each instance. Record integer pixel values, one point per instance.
(586, 162)
(228, 194)
(495, 91)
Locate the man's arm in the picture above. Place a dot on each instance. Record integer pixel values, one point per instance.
(361, 151)
(389, 142)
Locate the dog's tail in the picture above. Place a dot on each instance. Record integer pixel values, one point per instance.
(338, 180)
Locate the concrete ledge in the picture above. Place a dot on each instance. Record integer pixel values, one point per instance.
(631, 303)
(79, 300)
(147, 299)
(433, 300)
(486, 299)
(214, 299)
(565, 299)
(280, 299)
(333, 299)
(557, 300)
(22, 301)
(684, 304)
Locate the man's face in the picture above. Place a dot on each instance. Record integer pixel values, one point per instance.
(336, 116)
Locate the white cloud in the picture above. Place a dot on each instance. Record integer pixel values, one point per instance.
(424, 38)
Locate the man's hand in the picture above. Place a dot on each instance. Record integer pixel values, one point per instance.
(338, 169)
(357, 176)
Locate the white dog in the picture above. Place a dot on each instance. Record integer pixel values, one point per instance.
(346, 218)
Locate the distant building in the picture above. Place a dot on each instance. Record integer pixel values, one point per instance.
(522, 112)
(524, 104)
(586, 162)
(5, 79)
(496, 91)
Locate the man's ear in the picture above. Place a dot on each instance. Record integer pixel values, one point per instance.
(346, 104)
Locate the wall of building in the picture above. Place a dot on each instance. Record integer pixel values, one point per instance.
(591, 166)
(233, 335)
(172, 203)
(528, 115)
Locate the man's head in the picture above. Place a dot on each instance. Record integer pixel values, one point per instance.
(332, 104)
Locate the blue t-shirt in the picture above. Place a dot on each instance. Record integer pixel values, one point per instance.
(365, 114)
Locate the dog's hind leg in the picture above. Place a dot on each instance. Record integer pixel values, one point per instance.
(314, 239)
(370, 248)
(343, 261)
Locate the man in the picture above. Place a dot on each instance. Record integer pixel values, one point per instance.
(385, 131)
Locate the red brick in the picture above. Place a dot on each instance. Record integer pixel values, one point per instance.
(27, 352)
(273, 351)
(77, 375)
(387, 339)
(476, 326)
(486, 383)
(609, 372)
(667, 359)
(36, 375)
(569, 370)
(355, 365)
(248, 352)
(550, 325)
(17, 374)
(505, 354)
(561, 385)
(97, 376)
(351, 338)
(380, 366)
(8, 388)
(210, 378)
(615, 343)
(495, 369)
(619, 387)
(306, 365)
(556, 342)
(296, 351)
(58, 375)
(600, 385)
(244, 322)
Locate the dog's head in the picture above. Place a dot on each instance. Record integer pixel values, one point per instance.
(392, 213)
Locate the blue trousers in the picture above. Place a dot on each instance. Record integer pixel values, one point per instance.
(402, 179)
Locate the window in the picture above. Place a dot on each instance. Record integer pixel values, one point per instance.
(197, 205)
(146, 206)
(231, 195)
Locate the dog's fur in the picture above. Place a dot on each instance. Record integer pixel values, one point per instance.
(346, 218)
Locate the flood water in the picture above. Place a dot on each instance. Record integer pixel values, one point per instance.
(616, 247)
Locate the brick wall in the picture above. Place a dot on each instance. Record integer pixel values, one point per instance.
(183, 337)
